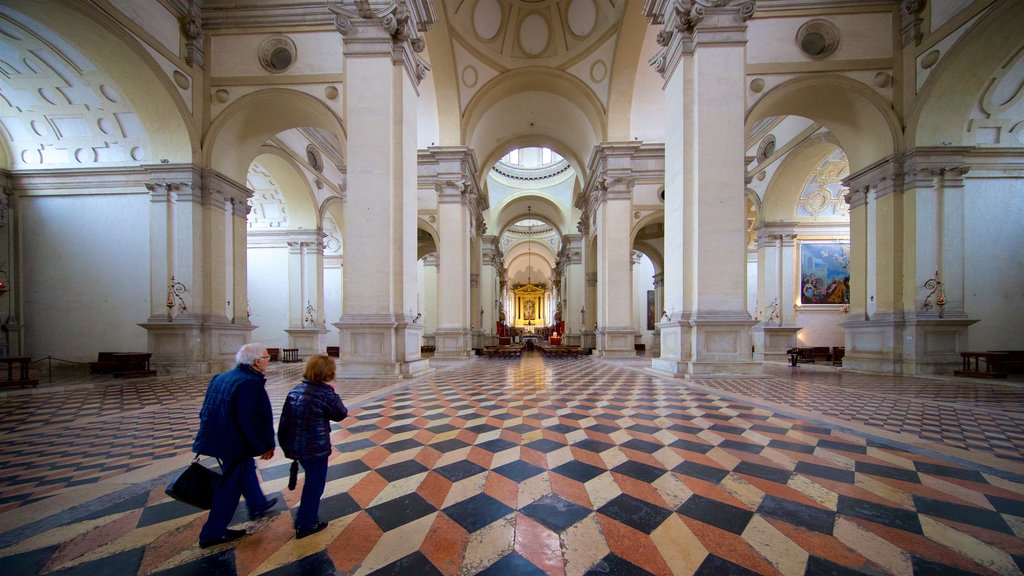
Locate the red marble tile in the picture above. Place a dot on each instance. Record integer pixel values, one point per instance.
(588, 457)
(427, 457)
(822, 545)
(502, 489)
(445, 545)
(922, 546)
(98, 536)
(1004, 542)
(480, 457)
(374, 456)
(170, 545)
(709, 490)
(641, 490)
(633, 546)
(539, 545)
(434, 489)
(535, 457)
(368, 487)
(571, 490)
(729, 546)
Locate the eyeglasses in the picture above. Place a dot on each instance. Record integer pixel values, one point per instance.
(265, 357)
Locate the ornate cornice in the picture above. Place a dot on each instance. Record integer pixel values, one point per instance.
(614, 170)
(376, 27)
(690, 23)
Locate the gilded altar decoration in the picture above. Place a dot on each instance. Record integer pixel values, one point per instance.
(529, 306)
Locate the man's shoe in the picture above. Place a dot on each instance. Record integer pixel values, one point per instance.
(229, 535)
(301, 533)
(271, 502)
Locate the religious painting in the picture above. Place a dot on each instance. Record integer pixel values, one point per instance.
(650, 309)
(824, 273)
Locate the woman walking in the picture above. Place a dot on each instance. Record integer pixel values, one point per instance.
(305, 435)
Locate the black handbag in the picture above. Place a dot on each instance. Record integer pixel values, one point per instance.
(196, 485)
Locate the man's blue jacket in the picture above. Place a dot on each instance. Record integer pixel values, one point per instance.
(236, 420)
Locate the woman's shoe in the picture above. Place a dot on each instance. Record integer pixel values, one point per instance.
(301, 533)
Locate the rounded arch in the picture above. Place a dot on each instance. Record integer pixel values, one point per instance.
(333, 206)
(162, 112)
(782, 194)
(541, 208)
(239, 131)
(861, 120)
(560, 108)
(294, 187)
(644, 239)
(505, 146)
(422, 224)
(954, 89)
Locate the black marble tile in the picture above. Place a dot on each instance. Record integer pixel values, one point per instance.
(635, 513)
(460, 470)
(767, 429)
(826, 472)
(336, 506)
(346, 469)
(602, 428)
(887, 472)
(690, 446)
(436, 416)
(518, 470)
(318, 563)
(640, 471)
(448, 445)
(555, 512)
(747, 447)
(415, 563)
(481, 428)
(401, 428)
(400, 511)
(717, 566)
(504, 416)
(716, 416)
(521, 428)
(497, 445)
(817, 566)
(612, 565)
(402, 445)
(562, 428)
(579, 471)
(812, 429)
(686, 429)
(764, 472)
(544, 445)
(591, 445)
(126, 562)
(843, 446)
(980, 517)
(642, 446)
(157, 513)
(442, 428)
(950, 472)
(728, 429)
(362, 427)
(30, 562)
(886, 515)
(798, 514)
(644, 428)
(512, 564)
(137, 501)
(1007, 505)
(924, 567)
(574, 416)
(715, 513)
(401, 470)
(476, 512)
(791, 446)
(702, 472)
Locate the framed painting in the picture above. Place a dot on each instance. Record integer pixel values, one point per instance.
(824, 273)
(650, 309)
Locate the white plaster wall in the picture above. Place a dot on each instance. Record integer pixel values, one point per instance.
(994, 269)
(643, 272)
(85, 265)
(268, 295)
(332, 301)
(752, 286)
(820, 327)
(238, 54)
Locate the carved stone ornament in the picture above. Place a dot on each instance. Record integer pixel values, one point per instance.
(344, 24)
(664, 37)
(913, 6)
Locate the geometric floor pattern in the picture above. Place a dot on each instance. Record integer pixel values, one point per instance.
(541, 466)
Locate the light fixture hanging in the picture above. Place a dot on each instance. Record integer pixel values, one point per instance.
(529, 246)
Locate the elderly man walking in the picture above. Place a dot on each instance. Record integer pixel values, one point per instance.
(236, 425)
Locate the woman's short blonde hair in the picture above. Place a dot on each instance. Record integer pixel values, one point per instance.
(319, 368)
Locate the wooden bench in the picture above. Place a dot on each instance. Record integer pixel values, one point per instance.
(122, 364)
(290, 355)
(22, 379)
(334, 351)
(1014, 360)
(273, 353)
(972, 364)
(809, 355)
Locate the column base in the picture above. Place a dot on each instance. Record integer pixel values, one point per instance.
(452, 343)
(706, 348)
(307, 340)
(192, 348)
(616, 343)
(916, 346)
(772, 342)
(379, 347)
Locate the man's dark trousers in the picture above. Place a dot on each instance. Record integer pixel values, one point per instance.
(239, 480)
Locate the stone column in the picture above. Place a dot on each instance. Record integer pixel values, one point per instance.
(574, 289)
(659, 306)
(490, 292)
(776, 292)
(615, 332)
(708, 332)
(428, 305)
(379, 336)
(453, 303)
(306, 293)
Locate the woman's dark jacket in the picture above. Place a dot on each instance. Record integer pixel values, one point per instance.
(305, 428)
(236, 420)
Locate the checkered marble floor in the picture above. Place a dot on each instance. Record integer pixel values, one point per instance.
(540, 466)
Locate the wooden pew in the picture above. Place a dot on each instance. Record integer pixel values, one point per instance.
(972, 364)
(22, 372)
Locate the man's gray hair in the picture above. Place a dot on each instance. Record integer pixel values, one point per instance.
(250, 353)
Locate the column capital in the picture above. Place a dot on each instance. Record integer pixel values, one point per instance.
(884, 177)
(924, 167)
(911, 21)
(659, 279)
(688, 24)
(386, 27)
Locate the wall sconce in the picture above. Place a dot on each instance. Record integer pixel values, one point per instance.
(5, 283)
(666, 316)
(416, 320)
(310, 314)
(935, 285)
(174, 297)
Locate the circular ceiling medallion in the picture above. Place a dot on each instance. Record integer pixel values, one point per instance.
(331, 92)
(930, 59)
(487, 19)
(470, 76)
(756, 85)
(181, 80)
(222, 96)
(582, 17)
(534, 34)
(818, 38)
(598, 71)
(277, 54)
